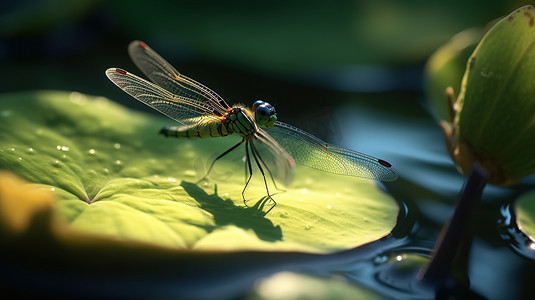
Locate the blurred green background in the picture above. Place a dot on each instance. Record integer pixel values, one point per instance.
(298, 51)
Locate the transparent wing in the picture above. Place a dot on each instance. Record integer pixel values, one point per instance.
(179, 108)
(309, 150)
(278, 162)
(166, 76)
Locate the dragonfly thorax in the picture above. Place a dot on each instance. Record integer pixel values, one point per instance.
(264, 113)
(240, 121)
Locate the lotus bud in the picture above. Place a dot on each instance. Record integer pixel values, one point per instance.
(492, 121)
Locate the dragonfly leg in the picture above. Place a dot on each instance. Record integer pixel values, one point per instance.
(248, 175)
(259, 163)
(253, 148)
(220, 156)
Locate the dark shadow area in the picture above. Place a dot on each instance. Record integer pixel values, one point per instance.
(226, 213)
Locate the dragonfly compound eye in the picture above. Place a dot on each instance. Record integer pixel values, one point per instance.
(262, 114)
(257, 104)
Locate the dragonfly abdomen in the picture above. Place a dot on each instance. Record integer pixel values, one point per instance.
(197, 131)
(236, 121)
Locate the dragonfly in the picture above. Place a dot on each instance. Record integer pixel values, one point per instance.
(273, 146)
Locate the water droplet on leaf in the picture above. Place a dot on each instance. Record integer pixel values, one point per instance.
(63, 148)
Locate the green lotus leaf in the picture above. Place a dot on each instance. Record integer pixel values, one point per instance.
(494, 123)
(113, 175)
(525, 214)
(445, 68)
(287, 285)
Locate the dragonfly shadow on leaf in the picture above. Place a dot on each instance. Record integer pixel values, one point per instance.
(226, 213)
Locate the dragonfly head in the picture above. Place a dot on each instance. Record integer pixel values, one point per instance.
(264, 113)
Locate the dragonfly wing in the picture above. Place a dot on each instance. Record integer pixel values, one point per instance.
(309, 150)
(165, 75)
(184, 110)
(273, 157)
